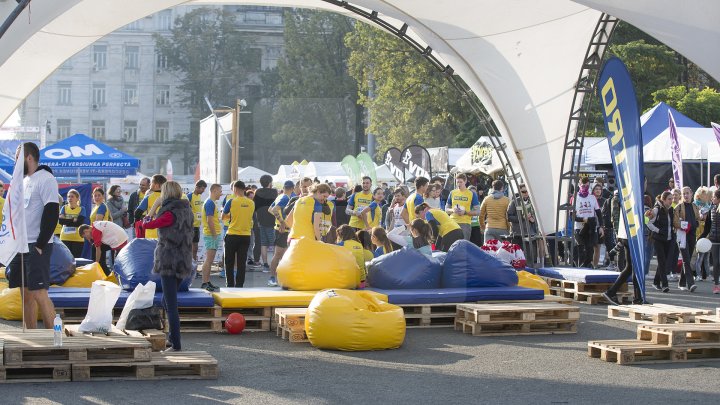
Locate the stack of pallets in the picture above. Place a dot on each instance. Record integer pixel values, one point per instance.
(586, 293)
(666, 343)
(715, 318)
(655, 313)
(429, 315)
(290, 324)
(516, 319)
(32, 357)
(156, 337)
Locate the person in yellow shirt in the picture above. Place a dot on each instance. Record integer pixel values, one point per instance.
(414, 199)
(372, 214)
(239, 211)
(144, 208)
(58, 228)
(2, 200)
(347, 238)
(462, 205)
(357, 203)
(211, 234)
(307, 213)
(448, 230)
(196, 203)
(72, 215)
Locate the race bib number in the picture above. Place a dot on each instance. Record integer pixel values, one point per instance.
(69, 230)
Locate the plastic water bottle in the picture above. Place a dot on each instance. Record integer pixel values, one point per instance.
(57, 330)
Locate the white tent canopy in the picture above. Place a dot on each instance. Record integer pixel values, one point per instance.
(520, 57)
(321, 170)
(694, 145)
(289, 172)
(251, 174)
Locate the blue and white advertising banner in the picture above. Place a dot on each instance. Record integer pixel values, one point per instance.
(80, 155)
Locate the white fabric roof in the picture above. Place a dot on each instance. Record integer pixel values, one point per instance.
(695, 144)
(324, 169)
(289, 172)
(520, 57)
(251, 174)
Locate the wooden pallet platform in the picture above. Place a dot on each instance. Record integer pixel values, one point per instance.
(76, 315)
(177, 365)
(38, 349)
(643, 352)
(516, 319)
(655, 314)
(293, 336)
(579, 286)
(590, 298)
(256, 319)
(290, 318)
(35, 373)
(155, 337)
(681, 335)
(548, 298)
(707, 319)
(430, 315)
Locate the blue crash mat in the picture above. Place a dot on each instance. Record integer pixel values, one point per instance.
(79, 298)
(579, 275)
(79, 262)
(450, 295)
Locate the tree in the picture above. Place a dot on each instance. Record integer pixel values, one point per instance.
(210, 56)
(412, 103)
(315, 116)
(703, 106)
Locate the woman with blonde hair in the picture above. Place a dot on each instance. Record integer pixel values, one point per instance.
(72, 215)
(173, 254)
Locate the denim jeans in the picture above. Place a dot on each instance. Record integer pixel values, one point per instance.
(170, 286)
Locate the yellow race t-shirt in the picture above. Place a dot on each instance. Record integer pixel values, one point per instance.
(70, 233)
(241, 211)
(413, 201)
(466, 200)
(303, 217)
(445, 223)
(357, 203)
(326, 220)
(196, 203)
(210, 209)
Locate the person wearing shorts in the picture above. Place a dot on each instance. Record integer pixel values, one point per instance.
(196, 203)
(32, 270)
(211, 234)
(281, 231)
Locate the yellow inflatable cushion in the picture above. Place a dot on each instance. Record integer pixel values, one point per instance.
(309, 265)
(529, 280)
(352, 321)
(270, 297)
(85, 275)
(11, 305)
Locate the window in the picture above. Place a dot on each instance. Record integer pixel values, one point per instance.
(130, 94)
(98, 130)
(274, 19)
(98, 95)
(164, 20)
(99, 57)
(254, 59)
(130, 131)
(255, 18)
(63, 129)
(162, 95)
(132, 56)
(64, 93)
(162, 131)
(149, 163)
(161, 61)
(133, 26)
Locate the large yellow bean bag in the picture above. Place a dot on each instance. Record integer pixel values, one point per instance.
(529, 280)
(11, 305)
(309, 265)
(85, 275)
(352, 321)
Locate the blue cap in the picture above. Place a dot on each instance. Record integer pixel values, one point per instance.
(289, 184)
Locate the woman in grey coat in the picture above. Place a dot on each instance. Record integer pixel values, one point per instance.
(116, 204)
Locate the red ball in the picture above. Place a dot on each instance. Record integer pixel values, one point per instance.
(235, 323)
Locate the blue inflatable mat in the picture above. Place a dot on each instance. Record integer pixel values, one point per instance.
(79, 298)
(79, 262)
(450, 295)
(579, 275)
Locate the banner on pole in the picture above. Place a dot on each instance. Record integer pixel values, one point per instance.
(351, 167)
(13, 234)
(622, 125)
(367, 166)
(394, 163)
(676, 156)
(416, 160)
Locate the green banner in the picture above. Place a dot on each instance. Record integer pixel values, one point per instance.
(351, 167)
(367, 166)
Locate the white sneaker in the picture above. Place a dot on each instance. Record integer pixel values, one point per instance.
(682, 288)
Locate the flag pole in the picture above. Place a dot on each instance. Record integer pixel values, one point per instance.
(22, 288)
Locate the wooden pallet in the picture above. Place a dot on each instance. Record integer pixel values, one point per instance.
(76, 315)
(256, 319)
(290, 324)
(548, 298)
(691, 335)
(707, 319)
(38, 349)
(198, 319)
(35, 373)
(176, 365)
(430, 315)
(293, 336)
(516, 319)
(591, 298)
(156, 337)
(643, 352)
(655, 314)
(579, 286)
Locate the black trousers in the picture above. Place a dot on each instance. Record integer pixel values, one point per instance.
(686, 277)
(76, 248)
(627, 271)
(450, 238)
(663, 251)
(103, 257)
(476, 236)
(236, 249)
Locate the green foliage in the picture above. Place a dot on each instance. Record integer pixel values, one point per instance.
(412, 103)
(703, 106)
(209, 53)
(316, 114)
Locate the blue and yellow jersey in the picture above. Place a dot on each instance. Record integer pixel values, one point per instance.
(413, 201)
(358, 252)
(145, 205)
(465, 199)
(70, 233)
(241, 211)
(229, 197)
(357, 203)
(303, 217)
(326, 219)
(281, 201)
(375, 214)
(196, 203)
(101, 209)
(210, 210)
(445, 223)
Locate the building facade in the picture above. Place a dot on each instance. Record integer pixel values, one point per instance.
(120, 91)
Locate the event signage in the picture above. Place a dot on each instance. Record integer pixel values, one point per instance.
(676, 156)
(392, 161)
(351, 167)
(416, 160)
(622, 125)
(367, 166)
(13, 234)
(81, 155)
(716, 130)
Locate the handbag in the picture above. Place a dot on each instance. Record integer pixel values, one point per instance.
(144, 318)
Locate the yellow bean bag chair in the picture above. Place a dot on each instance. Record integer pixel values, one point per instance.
(309, 265)
(85, 275)
(353, 321)
(11, 304)
(529, 280)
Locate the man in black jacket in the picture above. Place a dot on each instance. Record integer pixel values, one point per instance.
(264, 197)
(137, 196)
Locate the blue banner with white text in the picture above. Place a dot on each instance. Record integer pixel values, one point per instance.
(622, 124)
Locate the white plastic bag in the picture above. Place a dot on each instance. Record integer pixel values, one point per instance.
(103, 296)
(141, 297)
